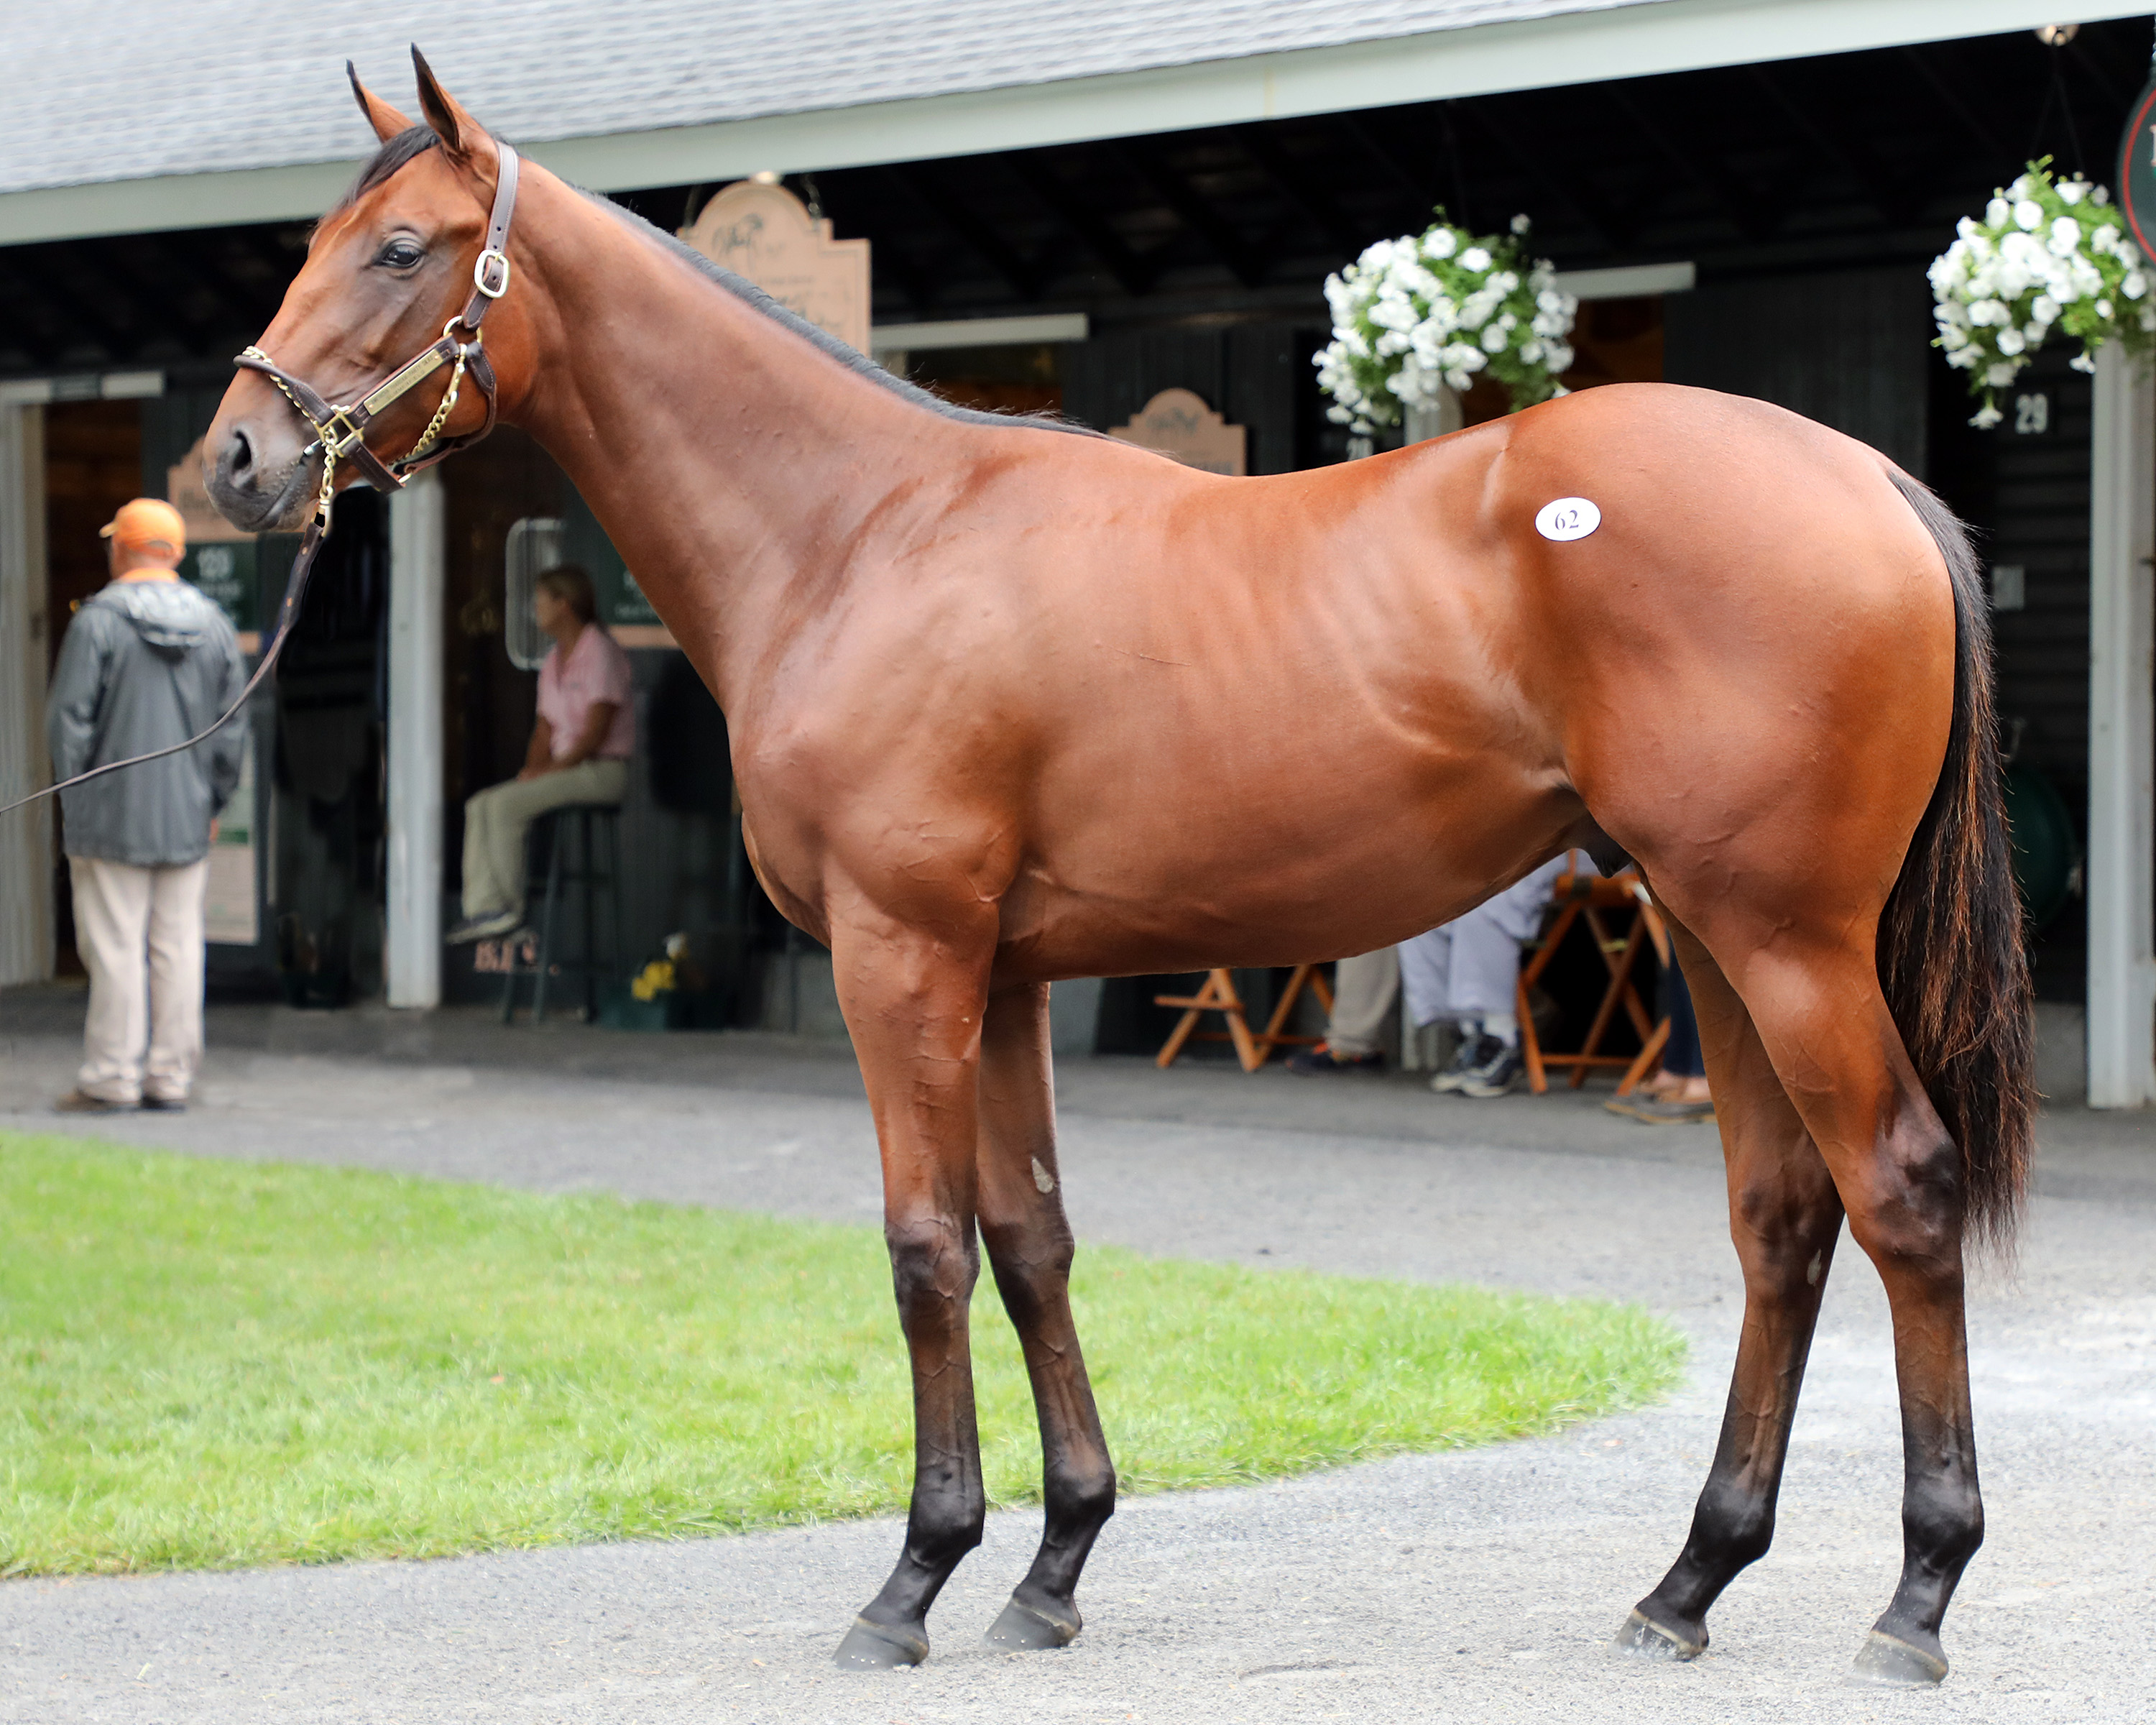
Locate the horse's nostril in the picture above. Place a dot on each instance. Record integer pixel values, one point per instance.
(238, 454)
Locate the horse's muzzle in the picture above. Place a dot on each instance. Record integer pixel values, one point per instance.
(252, 488)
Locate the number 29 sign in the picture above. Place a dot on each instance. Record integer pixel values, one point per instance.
(2136, 179)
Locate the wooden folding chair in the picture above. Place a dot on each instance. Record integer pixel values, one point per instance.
(1253, 1048)
(1586, 900)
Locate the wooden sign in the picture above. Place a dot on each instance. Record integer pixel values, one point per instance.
(765, 233)
(2136, 185)
(1178, 422)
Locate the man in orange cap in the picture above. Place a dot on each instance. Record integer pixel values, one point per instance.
(148, 661)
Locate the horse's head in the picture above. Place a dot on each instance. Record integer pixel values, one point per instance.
(385, 271)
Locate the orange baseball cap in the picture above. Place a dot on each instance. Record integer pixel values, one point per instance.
(146, 522)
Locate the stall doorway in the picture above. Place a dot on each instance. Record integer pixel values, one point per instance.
(93, 465)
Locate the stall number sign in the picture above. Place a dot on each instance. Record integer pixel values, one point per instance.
(2137, 170)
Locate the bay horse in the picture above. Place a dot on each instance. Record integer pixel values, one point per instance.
(1010, 703)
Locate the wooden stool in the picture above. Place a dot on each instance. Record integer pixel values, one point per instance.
(1253, 1048)
(1584, 899)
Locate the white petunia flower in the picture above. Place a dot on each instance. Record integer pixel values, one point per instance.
(1440, 244)
(2104, 308)
(2134, 285)
(2000, 374)
(1985, 417)
(2083, 361)
(2009, 341)
(2044, 310)
(1475, 259)
(2066, 236)
(2072, 191)
(2028, 213)
(1996, 215)
(1521, 224)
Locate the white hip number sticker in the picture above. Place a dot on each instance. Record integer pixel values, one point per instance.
(1568, 518)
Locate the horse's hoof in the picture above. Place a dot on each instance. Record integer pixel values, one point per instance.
(1893, 1663)
(876, 1647)
(1025, 1629)
(1644, 1639)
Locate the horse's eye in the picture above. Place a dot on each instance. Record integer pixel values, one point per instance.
(399, 254)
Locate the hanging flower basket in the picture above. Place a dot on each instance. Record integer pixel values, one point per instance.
(2048, 256)
(1431, 311)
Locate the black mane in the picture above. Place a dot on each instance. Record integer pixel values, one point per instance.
(859, 363)
(416, 140)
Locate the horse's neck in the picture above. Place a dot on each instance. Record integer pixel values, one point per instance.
(735, 467)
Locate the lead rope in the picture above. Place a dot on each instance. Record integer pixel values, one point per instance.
(288, 613)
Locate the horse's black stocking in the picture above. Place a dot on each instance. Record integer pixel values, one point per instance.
(1029, 1251)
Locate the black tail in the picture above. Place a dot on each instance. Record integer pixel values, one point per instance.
(1950, 952)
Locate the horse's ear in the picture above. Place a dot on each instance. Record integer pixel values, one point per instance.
(385, 120)
(463, 137)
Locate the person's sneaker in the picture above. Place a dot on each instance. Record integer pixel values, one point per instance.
(1322, 1058)
(484, 928)
(1462, 1067)
(80, 1101)
(1497, 1069)
(163, 1105)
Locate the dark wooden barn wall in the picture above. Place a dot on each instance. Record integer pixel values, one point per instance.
(1257, 375)
(1849, 349)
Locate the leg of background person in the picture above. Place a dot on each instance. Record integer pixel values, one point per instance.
(176, 980)
(1682, 1057)
(511, 809)
(484, 895)
(1485, 970)
(111, 917)
(1364, 990)
(1029, 1245)
(1426, 976)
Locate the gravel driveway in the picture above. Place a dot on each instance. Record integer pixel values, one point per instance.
(1472, 1587)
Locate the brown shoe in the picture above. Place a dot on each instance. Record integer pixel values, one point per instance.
(163, 1105)
(80, 1101)
(1655, 1110)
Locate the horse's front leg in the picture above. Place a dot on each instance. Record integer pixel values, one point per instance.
(1030, 1249)
(913, 1001)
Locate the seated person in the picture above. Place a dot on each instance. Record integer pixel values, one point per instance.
(579, 753)
(1467, 970)
(1678, 1094)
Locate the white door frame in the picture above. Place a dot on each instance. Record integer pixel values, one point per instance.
(417, 582)
(25, 836)
(2122, 848)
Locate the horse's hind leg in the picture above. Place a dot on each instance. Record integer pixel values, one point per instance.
(1785, 1217)
(1029, 1251)
(1813, 992)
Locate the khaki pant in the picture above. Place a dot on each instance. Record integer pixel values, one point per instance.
(1364, 991)
(140, 932)
(497, 819)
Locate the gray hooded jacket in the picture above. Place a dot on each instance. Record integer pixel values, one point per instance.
(145, 664)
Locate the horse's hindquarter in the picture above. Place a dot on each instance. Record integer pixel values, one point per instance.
(1751, 659)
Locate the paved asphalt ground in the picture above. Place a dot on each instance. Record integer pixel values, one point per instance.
(1474, 1587)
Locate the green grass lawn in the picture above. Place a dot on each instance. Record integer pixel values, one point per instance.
(206, 1363)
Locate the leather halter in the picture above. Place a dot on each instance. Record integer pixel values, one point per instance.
(341, 435)
(341, 432)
